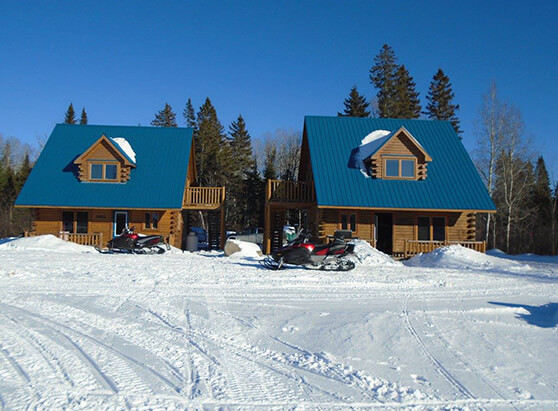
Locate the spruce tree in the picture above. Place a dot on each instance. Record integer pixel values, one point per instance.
(70, 117)
(440, 101)
(210, 145)
(541, 204)
(254, 188)
(406, 102)
(190, 115)
(240, 162)
(270, 171)
(23, 172)
(383, 77)
(165, 118)
(83, 119)
(355, 105)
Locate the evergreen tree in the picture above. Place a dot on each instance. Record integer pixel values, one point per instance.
(406, 102)
(254, 188)
(383, 77)
(165, 118)
(211, 150)
(355, 105)
(190, 115)
(23, 172)
(70, 117)
(83, 119)
(270, 171)
(541, 203)
(440, 97)
(240, 148)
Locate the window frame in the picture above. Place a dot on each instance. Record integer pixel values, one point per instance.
(151, 220)
(431, 227)
(75, 222)
(104, 164)
(348, 215)
(399, 160)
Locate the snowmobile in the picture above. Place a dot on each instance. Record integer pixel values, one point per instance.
(130, 242)
(300, 251)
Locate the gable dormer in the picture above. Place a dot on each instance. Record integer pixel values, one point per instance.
(107, 160)
(400, 157)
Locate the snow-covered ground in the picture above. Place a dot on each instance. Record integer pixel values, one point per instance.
(450, 330)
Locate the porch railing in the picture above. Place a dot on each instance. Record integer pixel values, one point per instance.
(290, 191)
(204, 196)
(92, 239)
(413, 247)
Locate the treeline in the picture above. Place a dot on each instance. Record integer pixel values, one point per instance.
(228, 158)
(15, 166)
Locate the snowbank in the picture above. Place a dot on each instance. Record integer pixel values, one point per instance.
(368, 255)
(238, 248)
(46, 243)
(458, 257)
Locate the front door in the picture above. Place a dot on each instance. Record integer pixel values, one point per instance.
(120, 222)
(384, 232)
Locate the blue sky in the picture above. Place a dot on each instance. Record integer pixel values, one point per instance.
(272, 62)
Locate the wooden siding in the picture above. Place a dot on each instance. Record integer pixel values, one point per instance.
(49, 221)
(399, 145)
(460, 226)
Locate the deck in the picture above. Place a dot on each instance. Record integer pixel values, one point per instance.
(204, 198)
(414, 247)
(290, 193)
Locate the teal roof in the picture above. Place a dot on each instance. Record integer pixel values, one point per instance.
(157, 181)
(452, 182)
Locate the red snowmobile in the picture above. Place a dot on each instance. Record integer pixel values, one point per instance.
(130, 242)
(300, 251)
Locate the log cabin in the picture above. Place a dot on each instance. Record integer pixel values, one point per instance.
(91, 181)
(405, 186)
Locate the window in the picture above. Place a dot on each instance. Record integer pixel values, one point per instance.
(400, 168)
(348, 222)
(102, 171)
(75, 221)
(152, 220)
(431, 228)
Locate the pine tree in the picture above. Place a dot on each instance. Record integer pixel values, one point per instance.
(190, 115)
(241, 160)
(406, 102)
(210, 148)
(541, 203)
(83, 119)
(254, 188)
(383, 77)
(355, 105)
(70, 117)
(165, 118)
(440, 97)
(270, 171)
(23, 172)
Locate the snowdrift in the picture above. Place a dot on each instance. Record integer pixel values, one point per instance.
(368, 255)
(459, 257)
(46, 243)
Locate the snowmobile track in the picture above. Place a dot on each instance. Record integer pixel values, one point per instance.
(439, 367)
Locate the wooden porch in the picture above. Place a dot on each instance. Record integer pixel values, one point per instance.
(291, 193)
(92, 239)
(413, 247)
(204, 198)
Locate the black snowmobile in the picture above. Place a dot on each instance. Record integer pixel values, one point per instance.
(300, 251)
(130, 242)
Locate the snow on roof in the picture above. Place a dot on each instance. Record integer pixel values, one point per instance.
(126, 147)
(368, 146)
(374, 136)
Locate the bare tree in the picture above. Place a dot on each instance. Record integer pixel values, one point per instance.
(490, 141)
(286, 145)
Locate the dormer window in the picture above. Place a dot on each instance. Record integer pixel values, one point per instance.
(400, 168)
(103, 171)
(107, 160)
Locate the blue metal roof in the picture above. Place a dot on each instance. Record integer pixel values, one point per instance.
(452, 182)
(157, 181)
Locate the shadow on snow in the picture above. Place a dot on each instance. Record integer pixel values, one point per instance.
(544, 316)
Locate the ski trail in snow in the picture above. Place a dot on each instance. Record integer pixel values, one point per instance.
(423, 347)
(493, 346)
